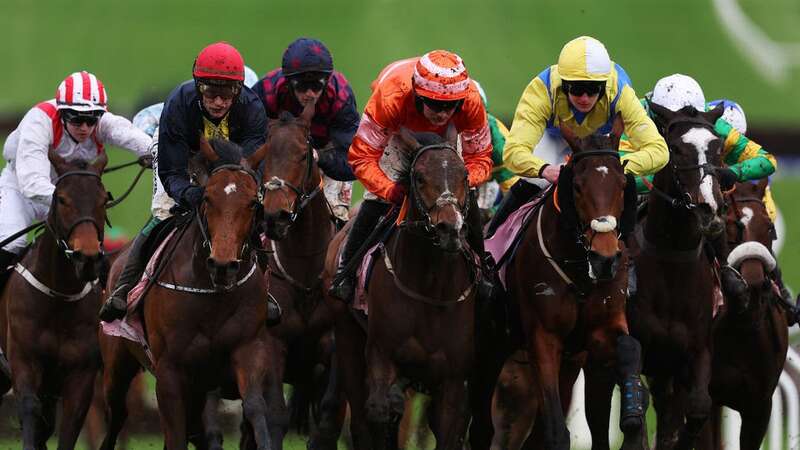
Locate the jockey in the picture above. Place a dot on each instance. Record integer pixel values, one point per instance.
(217, 104)
(502, 178)
(584, 91)
(425, 93)
(307, 76)
(76, 125)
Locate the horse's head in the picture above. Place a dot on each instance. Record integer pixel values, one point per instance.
(594, 182)
(438, 187)
(291, 176)
(695, 153)
(749, 232)
(78, 213)
(231, 206)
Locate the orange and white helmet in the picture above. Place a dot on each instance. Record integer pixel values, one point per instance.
(82, 91)
(441, 75)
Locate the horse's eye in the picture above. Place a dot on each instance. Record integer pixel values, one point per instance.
(61, 200)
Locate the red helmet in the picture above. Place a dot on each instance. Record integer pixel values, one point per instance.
(220, 61)
(441, 75)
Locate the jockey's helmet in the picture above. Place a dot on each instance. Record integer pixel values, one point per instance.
(83, 93)
(219, 68)
(678, 91)
(733, 114)
(584, 66)
(441, 75)
(306, 55)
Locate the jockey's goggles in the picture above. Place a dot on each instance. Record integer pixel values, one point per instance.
(304, 82)
(78, 118)
(226, 91)
(578, 88)
(441, 105)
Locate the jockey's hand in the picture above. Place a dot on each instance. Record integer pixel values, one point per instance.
(193, 196)
(727, 178)
(146, 161)
(397, 194)
(550, 173)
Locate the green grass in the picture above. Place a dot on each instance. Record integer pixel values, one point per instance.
(146, 47)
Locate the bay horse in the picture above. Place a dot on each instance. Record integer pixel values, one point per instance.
(671, 312)
(205, 312)
(297, 221)
(48, 310)
(750, 333)
(569, 279)
(420, 299)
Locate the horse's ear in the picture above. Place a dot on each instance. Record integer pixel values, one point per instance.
(451, 135)
(714, 115)
(99, 163)
(205, 149)
(572, 139)
(665, 114)
(58, 162)
(409, 141)
(257, 156)
(761, 187)
(617, 128)
(308, 113)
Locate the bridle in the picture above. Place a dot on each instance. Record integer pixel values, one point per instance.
(303, 197)
(444, 199)
(53, 224)
(257, 204)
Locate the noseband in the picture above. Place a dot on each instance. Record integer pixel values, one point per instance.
(302, 196)
(54, 226)
(444, 199)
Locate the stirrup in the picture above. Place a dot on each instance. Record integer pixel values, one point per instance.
(274, 311)
(344, 290)
(113, 309)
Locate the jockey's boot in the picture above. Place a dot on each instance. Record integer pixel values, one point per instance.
(116, 305)
(274, 311)
(343, 286)
(519, 194)
(6, 259)
(485, 288)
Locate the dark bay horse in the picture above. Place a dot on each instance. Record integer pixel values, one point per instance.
(205, 313)
(298, 223)
(569, 278)
(750, 333)
(48, 311)
(671, 312)
(421, 307)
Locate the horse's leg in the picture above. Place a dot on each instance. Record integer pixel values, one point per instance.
(386, 400)
(546, 354)
(698, 402)
(332, 410)
(755, 424)
(171, 394)
(599, 388)
(514, 403)
(75, 401)
(278, 422)
(350, 343)
(119, 370)
(253, 370)
(450, 414)
(669, 401)
(30, 409)
(212, 429)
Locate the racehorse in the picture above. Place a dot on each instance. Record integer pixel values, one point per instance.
(420, 299)
(671, 313)
(48, 311)
(205, 310)
(750, 333)
(298, 224)
(569, 278)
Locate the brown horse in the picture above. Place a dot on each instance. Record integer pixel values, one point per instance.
(750, 333)
(48, 310)
(569, 279)
(421, 307)
(671, 313)
(204, 314)
(298, 223)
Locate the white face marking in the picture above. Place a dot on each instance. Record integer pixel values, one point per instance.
(602, 169)
(444, 166)
(747, 216)
(544, 289)
(231, 188)
(699, 138)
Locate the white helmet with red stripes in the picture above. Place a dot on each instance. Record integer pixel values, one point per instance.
(82, 91)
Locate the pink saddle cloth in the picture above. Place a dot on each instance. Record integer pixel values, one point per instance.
(131, 326)
(506, 234)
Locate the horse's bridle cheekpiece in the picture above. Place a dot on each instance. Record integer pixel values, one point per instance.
(303, 198)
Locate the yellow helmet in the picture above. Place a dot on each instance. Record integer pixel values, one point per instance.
(584, 59)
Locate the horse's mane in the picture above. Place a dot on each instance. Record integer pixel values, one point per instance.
(428, 138)
(285, 117)
(228, 152)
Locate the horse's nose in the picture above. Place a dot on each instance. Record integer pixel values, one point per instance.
(710, 223)
(603, 268)
(221, 270)
(448, 236)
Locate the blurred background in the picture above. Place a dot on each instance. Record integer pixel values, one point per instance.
(745, 50)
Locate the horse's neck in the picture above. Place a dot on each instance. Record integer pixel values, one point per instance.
(560, 242)
(302, 251)
(49, 264)
(667, 226)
